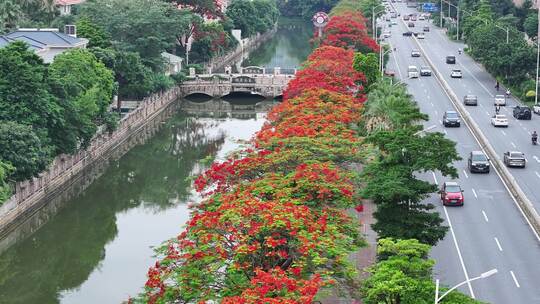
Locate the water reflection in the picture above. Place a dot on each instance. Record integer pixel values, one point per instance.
(98, 247)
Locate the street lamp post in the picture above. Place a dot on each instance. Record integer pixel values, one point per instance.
(537, 60)
(381, 57)
(373, 19)
(482, 276)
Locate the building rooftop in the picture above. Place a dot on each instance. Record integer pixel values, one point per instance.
(41, 38)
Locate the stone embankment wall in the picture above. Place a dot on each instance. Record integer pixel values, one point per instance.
(31, 195)
(236, 55)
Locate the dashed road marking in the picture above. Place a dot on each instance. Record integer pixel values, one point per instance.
(498, 244)
(537, 174)
(504, 133)
(435, 178)
(514, 277)
(485, 216)
(466, 175)
(513, 145)
(474, 192)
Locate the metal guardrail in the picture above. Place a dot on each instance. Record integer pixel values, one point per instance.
(523, 203)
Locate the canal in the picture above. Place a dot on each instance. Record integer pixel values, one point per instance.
(97, 246)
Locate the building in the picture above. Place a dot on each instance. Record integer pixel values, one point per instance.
(173, 63)
(65, 6)
(47, 43)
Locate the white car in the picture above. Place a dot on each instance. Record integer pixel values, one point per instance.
(420, 35)
(394, 22)
(456, 73)
(536, 109)
(386, 34)
(415, 53)
(422, 17)
(500, 100)
(499, 120)
(412, 71)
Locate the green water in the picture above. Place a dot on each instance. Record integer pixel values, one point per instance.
(97, 246)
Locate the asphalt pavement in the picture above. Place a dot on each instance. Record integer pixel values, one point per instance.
(489, 231)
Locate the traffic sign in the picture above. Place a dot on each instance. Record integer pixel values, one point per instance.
(430, 7)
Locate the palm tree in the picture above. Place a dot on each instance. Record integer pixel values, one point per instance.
(390, 107)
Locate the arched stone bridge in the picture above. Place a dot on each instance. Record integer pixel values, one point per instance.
(253, 80)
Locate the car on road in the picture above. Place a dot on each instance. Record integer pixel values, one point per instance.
(420, 35)
(390, 73)
(499, 120)
(425, 71)
(422, 17)
(500, 100)
(410, 24)
(393, 15)
(451, 59)
(536, 109)
(406, 17)
(451, 194)
(478, 162)
(456, 73)
(514, 159)
(387, 18)
(394, 22)
(408, 33)
(426, 29)
(470, 100)
(413, 18)
(451, 119)
(387, 34)
(412, 71)
(415, 53)
(522, 112)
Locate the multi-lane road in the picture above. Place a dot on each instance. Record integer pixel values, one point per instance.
(489, 231)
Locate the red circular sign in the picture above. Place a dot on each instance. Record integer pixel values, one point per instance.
(320, 19)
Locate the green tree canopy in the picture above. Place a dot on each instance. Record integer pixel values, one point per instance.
(84, 87)
(97, 36)
(304, 8)
(5, 190)
(368, 64)
(22, 148)
(147, 27)
(253, 17)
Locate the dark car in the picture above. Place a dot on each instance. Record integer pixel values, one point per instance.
(451, 119)
(470, 100)
(514, 159)
(521, 112)
(478, 162)
(409, 33)
(451, 194)
(451, 59)
(425, 71)
(410, 24)
(426, 28)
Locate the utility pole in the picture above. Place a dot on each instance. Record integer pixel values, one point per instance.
(537, 60)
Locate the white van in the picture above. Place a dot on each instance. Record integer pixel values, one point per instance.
(412, 71)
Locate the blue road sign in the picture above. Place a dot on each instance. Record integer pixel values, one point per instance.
(430, 7)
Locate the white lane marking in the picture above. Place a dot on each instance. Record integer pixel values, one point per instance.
(474, 192)
(513, 145)
(446, 133)
(514, 277)
(432, 104)
(428, 97)
(465, 172)
(487, 113)
(459, 252)
(498, 244)
(435, 178)
(396, 62)
(520, 124)
(481, 84)
(536, 158)
(537, 174)
(436, 113)
(485, 216)
(504, 133)
(440, 121)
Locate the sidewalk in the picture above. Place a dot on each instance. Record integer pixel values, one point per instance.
(366, 256)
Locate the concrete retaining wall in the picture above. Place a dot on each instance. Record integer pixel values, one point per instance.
(30, 194)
